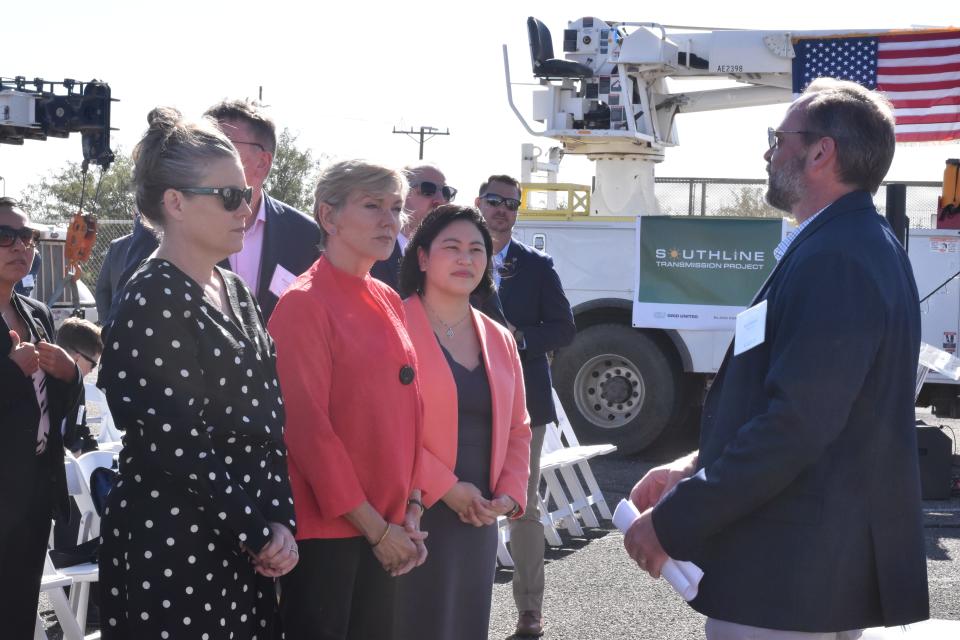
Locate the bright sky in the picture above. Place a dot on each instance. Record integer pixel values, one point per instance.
(343, 74)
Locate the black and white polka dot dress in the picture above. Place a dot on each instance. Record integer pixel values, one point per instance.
(203, 468)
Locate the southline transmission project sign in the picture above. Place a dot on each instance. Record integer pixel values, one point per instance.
(698, 273)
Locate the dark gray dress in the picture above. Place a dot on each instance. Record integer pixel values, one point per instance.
(449, 596)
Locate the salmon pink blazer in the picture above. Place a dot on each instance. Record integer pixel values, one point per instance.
(510, 455)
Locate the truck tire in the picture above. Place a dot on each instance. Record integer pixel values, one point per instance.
(617, 385)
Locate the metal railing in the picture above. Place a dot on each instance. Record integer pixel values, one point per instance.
(714, 197)
(676, 196)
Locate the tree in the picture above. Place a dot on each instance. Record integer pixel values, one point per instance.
(293, 176)
(749, 202)
(55, 198)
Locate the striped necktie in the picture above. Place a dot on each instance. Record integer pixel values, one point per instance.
(43, 428)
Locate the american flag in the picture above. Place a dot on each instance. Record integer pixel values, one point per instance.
(919, 72)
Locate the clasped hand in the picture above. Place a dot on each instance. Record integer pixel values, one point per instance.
(51, 358)
(279, 556)
(465, 499)
(403, 548)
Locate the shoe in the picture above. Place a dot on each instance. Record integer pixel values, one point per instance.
(529, 624)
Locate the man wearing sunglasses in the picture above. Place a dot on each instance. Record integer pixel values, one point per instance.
(539, 315)
(428, 190)
(279, 242)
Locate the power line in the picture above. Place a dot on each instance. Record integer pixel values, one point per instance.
(425, 133)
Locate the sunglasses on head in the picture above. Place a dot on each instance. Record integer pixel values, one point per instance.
(428, 189)
(26, 235)
(231, 196)
(511, 204)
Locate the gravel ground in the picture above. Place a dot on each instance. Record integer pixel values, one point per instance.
(594, 592)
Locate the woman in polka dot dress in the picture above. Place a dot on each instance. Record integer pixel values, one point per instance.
(200, 523)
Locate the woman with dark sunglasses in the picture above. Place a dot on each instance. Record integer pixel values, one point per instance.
(200, 522)
(39, 386)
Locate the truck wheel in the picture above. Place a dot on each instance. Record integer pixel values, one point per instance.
(617, 385)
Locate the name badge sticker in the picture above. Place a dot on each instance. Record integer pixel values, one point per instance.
(751, 328)
(281, 280)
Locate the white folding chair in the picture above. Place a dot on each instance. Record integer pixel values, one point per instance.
(52, 583)
(547, 519)
(568, 437)
(561, 513)
(99, 416)
(563, 456)
(78, 486)
(503, 537)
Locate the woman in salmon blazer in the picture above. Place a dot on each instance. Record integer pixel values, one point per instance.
(347, 370)
(476, 435)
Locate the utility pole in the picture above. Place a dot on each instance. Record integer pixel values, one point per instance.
(425, 133)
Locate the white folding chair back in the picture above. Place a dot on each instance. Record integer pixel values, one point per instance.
(78, 472)
(562, 448)
(86, 463)
(99, 416)
(52, 583)
(503, 537)
(79, 489)
(922, 372)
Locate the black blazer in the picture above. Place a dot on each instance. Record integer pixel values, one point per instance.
(388, 271)
(805, 514)
(533, 301)
(20, 415)
(291, 239)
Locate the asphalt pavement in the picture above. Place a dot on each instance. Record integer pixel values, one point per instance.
(595, 592)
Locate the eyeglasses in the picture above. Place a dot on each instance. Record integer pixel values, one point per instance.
(510, 204)
(231, 196)
(254, 144)
(429, 189)
(93, 363)
(9, 236)
(773, 136)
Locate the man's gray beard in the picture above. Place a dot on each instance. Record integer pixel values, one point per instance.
(785, 187)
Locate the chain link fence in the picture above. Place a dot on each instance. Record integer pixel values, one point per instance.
(676, 196)
(107, 232)
(734, 197)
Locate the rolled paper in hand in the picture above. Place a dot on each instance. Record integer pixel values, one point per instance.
(683, 576)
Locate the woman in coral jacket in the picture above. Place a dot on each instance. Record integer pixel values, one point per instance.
(476, 439)
(348, 374)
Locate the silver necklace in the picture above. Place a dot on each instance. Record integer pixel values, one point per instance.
(450, 329)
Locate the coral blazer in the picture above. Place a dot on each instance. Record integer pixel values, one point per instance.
(510, 455)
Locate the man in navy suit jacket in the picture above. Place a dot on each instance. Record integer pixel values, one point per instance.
(802, 505)
(539, 316)
(280, 242)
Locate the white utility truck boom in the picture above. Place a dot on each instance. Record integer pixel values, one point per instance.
(614, 97)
